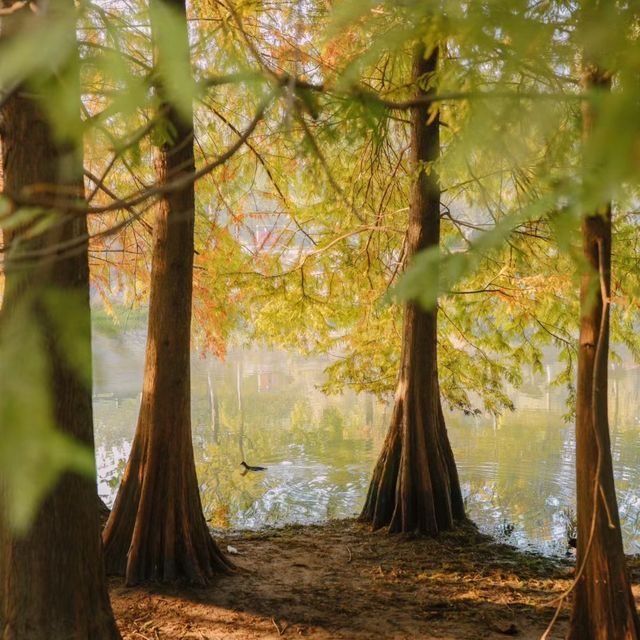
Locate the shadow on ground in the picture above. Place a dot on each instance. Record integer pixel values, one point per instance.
(341, 580)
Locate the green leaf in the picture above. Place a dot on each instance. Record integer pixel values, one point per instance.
(173, 60)
(42, 47)
(67, 312)
(431, 272)
(33, 452)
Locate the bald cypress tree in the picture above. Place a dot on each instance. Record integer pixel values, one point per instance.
(603, 607)
(52, 581)
(415, 485)
(157, 530)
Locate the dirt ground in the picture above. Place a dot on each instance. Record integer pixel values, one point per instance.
(340, 580)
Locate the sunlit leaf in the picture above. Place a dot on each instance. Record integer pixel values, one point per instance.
(33, 452)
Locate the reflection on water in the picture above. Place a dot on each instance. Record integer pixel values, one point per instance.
(263, 407)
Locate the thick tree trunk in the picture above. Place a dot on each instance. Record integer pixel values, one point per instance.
(52, 582)
(157, 530)
(415, 483)
(603, 607)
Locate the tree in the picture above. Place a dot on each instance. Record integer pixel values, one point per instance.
(415, 483)
(52, 582)
(603, 607)
(157, 530)
(214, 406)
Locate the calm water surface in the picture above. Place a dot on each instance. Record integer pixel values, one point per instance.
(263, 407)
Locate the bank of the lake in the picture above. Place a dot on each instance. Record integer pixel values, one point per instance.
(342, 581)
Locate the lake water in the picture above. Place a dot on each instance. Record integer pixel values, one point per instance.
(263, 406)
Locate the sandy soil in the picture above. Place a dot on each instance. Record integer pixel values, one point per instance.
(341, 580)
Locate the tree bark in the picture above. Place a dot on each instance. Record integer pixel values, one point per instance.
(157, 530)
(52, 581)
(415, 486)
(603, 607)
(103, 513)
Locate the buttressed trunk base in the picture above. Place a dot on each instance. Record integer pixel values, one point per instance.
(415, 486)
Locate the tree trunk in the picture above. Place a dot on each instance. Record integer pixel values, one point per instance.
(368, 410)
(415, 485)
(616, 405)
(103, 512)
(603, 607)
(240, 409)
(214, 409)
(52, 582)
(157, 530)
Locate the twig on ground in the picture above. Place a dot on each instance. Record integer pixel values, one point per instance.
(279, 630)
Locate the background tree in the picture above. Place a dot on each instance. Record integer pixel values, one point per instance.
(415, 483)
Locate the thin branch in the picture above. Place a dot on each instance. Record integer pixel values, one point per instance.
(155, 190)
(14, 8)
